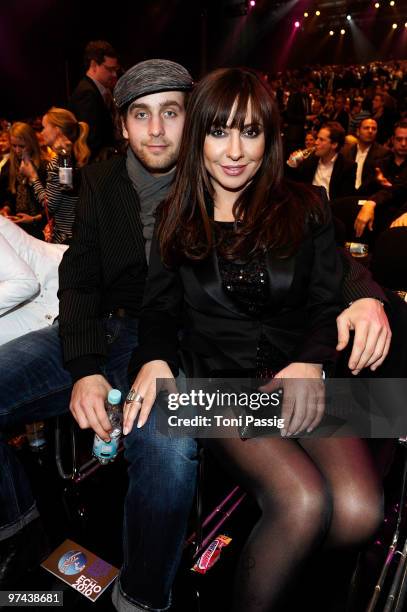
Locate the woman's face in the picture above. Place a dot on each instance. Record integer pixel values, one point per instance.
(232, 157)
(19, 147)
(49, 132)
(309, 140)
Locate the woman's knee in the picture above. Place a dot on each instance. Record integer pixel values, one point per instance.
(305, 507)
(357, 516)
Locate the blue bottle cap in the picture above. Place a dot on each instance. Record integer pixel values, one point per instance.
(114, 397)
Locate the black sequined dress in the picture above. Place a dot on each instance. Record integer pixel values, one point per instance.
(247, 283)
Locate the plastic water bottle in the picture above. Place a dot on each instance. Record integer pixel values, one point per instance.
(65, 170)
(36, 435)
(105, 452)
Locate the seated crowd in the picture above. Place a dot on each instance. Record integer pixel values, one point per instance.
(72, 183)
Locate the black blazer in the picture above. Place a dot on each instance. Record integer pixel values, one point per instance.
(376, 155)
(88, 105)
(300, 321)
(105, 266)
(343, 176)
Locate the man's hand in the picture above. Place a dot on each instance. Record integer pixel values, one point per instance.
(88, 404)
(384, 182)
(145, 391)
(365, 218)
(304, 396)
(400, 221)
(372, 334)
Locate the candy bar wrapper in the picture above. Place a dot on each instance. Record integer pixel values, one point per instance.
(211, 554)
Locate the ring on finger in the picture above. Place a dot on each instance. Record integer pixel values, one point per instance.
(134, 396)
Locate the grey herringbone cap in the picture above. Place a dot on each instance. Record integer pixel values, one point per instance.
(151, 76)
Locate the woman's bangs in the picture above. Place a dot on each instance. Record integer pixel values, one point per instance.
(234, 101)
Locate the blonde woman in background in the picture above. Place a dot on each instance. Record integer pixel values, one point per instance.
(63, 133)
(22, 205)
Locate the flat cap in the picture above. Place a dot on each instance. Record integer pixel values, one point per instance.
(148, 77)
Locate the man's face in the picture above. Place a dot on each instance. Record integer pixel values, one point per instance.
(377, 104)
(367, 131)
(339, 104)
(106, 72)
(400, 142)
(324, 147)
(153, 127)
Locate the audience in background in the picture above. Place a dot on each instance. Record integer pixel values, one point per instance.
(21, 205)
(63, 133)
(326, 166)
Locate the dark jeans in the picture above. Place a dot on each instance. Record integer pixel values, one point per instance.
(162, 471)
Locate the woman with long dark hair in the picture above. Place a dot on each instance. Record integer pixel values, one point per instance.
(245, 263)
(63, 133)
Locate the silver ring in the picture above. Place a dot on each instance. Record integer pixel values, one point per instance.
(133, 396)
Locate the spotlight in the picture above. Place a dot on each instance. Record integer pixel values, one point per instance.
(317, 13)
(297, 24)
(348, 17)
(394, 26)
(392, 3)
(405, 25)
(342, 32)
(252, 3)
(331, 32)
(306, 14)
(377, 5)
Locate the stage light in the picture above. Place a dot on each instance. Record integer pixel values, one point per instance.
(392, 3)
(377, 5)
(331, 32)
(306, 14)
(348, 17)
(317, 13)
(252, 2)
(394, 26)
(405, 25)
(297, 24)
(342, 32)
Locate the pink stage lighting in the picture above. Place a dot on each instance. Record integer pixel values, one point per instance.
(252, 3)
(297, 24)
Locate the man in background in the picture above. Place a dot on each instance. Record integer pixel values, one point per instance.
(92, 99)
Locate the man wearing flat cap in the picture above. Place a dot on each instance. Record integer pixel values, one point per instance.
(102, 280)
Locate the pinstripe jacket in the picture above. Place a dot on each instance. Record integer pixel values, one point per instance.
(105, 266)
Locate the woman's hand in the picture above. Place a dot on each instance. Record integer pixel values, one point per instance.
(304, 396)
(27, 169)
(23, 218)
(144, 390)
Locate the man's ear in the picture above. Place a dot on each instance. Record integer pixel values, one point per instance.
(124, 128)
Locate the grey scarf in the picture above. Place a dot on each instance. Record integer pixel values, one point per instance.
(151, 190)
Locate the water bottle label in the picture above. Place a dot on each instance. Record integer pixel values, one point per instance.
(106, 451)
(65, 176)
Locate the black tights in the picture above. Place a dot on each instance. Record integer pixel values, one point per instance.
(311, 493)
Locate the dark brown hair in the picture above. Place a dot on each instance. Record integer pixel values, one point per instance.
(97, 50)
(272, 214)
(336, 133)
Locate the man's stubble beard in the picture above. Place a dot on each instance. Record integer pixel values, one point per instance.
(160, 164)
